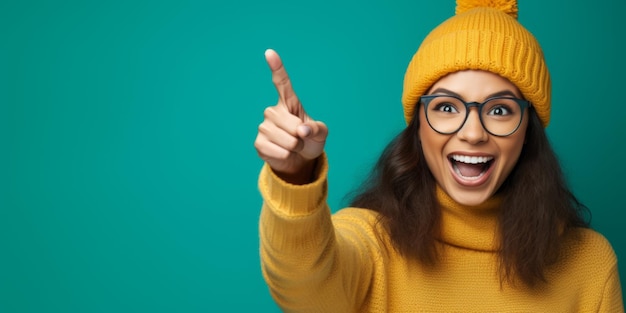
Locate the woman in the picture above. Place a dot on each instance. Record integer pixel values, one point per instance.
(466, 210)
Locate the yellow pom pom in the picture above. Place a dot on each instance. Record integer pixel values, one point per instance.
(507, 6)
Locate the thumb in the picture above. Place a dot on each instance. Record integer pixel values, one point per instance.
(313, 134)
(313, 130)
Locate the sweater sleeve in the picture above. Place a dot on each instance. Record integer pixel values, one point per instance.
(612, 300)
(309, 264)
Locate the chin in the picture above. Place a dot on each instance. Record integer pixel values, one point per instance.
(469, 197)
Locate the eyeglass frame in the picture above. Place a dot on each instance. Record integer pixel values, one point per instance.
(523, 104)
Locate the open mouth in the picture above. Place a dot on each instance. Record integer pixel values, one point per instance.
(470, 168)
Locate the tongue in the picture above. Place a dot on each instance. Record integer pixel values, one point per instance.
(470, 170)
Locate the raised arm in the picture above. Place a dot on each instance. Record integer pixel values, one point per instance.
(288, 139)
(310, 263)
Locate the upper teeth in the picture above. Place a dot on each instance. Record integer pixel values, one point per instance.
(471, 159)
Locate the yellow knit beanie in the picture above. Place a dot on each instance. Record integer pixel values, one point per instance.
(483, 35)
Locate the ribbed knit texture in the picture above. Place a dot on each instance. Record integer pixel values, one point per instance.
(313, 261)
(484, 35)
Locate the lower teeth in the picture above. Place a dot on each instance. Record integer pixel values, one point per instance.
(456, 169)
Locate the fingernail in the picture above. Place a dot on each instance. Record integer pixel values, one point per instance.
(306, 130)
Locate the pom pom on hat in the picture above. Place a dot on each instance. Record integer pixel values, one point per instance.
(483, 35)
(507, 6)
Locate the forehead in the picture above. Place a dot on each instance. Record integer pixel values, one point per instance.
(475, 85)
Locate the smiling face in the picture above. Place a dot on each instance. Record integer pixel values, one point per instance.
(471, 164)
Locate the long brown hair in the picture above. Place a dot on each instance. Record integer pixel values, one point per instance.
(537, 210)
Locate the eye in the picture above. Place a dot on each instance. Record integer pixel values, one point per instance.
(446, 107)
(500, 110)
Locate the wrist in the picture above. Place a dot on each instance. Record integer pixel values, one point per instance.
(306, 174)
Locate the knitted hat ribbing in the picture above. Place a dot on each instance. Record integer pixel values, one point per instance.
(483, 35)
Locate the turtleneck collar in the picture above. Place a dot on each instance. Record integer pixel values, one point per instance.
(470, 227)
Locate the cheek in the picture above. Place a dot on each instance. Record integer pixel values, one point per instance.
(511, 147)
(432, 146)
(511, 152)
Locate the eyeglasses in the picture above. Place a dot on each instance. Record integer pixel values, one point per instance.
(499, 116)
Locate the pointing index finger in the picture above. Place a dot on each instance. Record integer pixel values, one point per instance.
(281, 81)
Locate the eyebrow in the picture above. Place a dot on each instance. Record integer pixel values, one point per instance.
(452, 93)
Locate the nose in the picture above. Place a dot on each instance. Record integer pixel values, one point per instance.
(473, 131)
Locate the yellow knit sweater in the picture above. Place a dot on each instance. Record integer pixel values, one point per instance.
(313, 261)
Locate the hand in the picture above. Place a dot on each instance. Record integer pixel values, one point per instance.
(288, 139)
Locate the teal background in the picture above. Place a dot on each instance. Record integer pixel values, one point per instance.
(127, 167)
